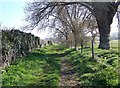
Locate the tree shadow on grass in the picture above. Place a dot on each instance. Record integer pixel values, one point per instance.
(37, 68)
(92, 73)
(52, 67)
(43, 54)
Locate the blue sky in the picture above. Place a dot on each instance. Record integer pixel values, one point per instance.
(12, 15)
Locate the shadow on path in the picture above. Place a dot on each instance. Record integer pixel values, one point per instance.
(68, 74)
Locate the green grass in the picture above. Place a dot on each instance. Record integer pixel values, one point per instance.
(99, 73)
(113, 44)
(39, 68)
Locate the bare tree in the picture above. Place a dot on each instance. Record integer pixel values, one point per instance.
(41, 11)
(74, 17)
(93, 30)
(60, 29)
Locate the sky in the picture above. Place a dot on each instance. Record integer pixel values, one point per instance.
(12, 15)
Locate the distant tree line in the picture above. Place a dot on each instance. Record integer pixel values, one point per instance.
(16, 44)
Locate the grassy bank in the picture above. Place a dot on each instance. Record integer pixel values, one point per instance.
(39, 68)
(42, 68)
(99, 73)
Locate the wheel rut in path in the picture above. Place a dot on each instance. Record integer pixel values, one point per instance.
(68, 75)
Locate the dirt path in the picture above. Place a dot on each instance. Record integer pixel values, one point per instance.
(68, 75)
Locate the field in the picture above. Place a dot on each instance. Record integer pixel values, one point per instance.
(113, 44)
(42, 67)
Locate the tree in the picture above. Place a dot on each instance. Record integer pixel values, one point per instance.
(64, 36)
(61, 30)
(39, 11)
(104, 20)
(73, 18)
(93, 30)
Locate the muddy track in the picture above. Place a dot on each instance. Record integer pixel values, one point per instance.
(68, 75)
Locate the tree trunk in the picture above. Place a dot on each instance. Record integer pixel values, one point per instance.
(92, 47)
(81, 45)
(76, 39)
(104, 14)
(67, 41)
(104, 31)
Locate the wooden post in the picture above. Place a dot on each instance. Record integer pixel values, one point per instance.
(92, 43)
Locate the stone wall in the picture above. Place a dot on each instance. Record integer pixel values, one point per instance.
(16, 44)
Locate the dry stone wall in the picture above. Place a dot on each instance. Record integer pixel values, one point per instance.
(16, 44)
